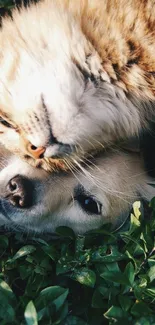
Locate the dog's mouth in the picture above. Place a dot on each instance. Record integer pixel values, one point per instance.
(4, 208)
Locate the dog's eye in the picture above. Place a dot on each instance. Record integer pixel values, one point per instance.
(89, 204)
(5, 123)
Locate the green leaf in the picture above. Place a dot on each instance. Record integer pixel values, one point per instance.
(136, 209)
(23, 251)
(140, 309)
(63, 266)
(152, 203)
(59, 301)
(151, 291)
(25, 271)
(7, 302)
(135, 223)
(79, 243)
(117, 277)
(65, 232)
(3, 242)
(40, 241)
(72, 320)
(55, 295)
(125, 302)
(6, 290)
(85, 276)
(115, 313)
(62, 313)
(112, 267)
(151, 273)
(97, 299)
(50, 251)
(30, 314)
(143, 321)
(130, 273)
(9, 315)
(110, 255)
(151, 261)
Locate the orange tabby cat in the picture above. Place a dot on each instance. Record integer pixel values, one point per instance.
(76, 76)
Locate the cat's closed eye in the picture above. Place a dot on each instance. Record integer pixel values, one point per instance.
(6, 123)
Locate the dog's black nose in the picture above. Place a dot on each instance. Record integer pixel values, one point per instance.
(20, 192)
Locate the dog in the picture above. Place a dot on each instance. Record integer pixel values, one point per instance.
(33, 200)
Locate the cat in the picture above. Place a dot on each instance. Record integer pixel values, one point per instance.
(33, 200)
(76, 76)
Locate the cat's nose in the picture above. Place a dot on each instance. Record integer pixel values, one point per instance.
(36, 152)
(19, 192)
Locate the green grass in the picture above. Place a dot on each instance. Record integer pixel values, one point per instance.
(99, 278)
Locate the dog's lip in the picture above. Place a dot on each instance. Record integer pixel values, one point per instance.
(7, 209)
(3, 209)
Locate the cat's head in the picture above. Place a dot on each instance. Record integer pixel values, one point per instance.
(56, 100)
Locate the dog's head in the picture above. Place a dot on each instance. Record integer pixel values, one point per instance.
(33, 200)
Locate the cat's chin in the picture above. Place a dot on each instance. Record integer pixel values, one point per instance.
(48, 164)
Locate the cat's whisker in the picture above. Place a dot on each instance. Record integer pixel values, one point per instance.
(74, 171)
(94, 180)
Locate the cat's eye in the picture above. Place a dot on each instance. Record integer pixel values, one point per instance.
(5, 123)
(89, 204)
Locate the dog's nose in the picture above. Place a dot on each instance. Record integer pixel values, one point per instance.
(20, 192)
(36, 152)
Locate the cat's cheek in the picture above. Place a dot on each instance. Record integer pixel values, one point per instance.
(10, 139)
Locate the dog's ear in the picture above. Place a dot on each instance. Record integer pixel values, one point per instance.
(147, 145)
